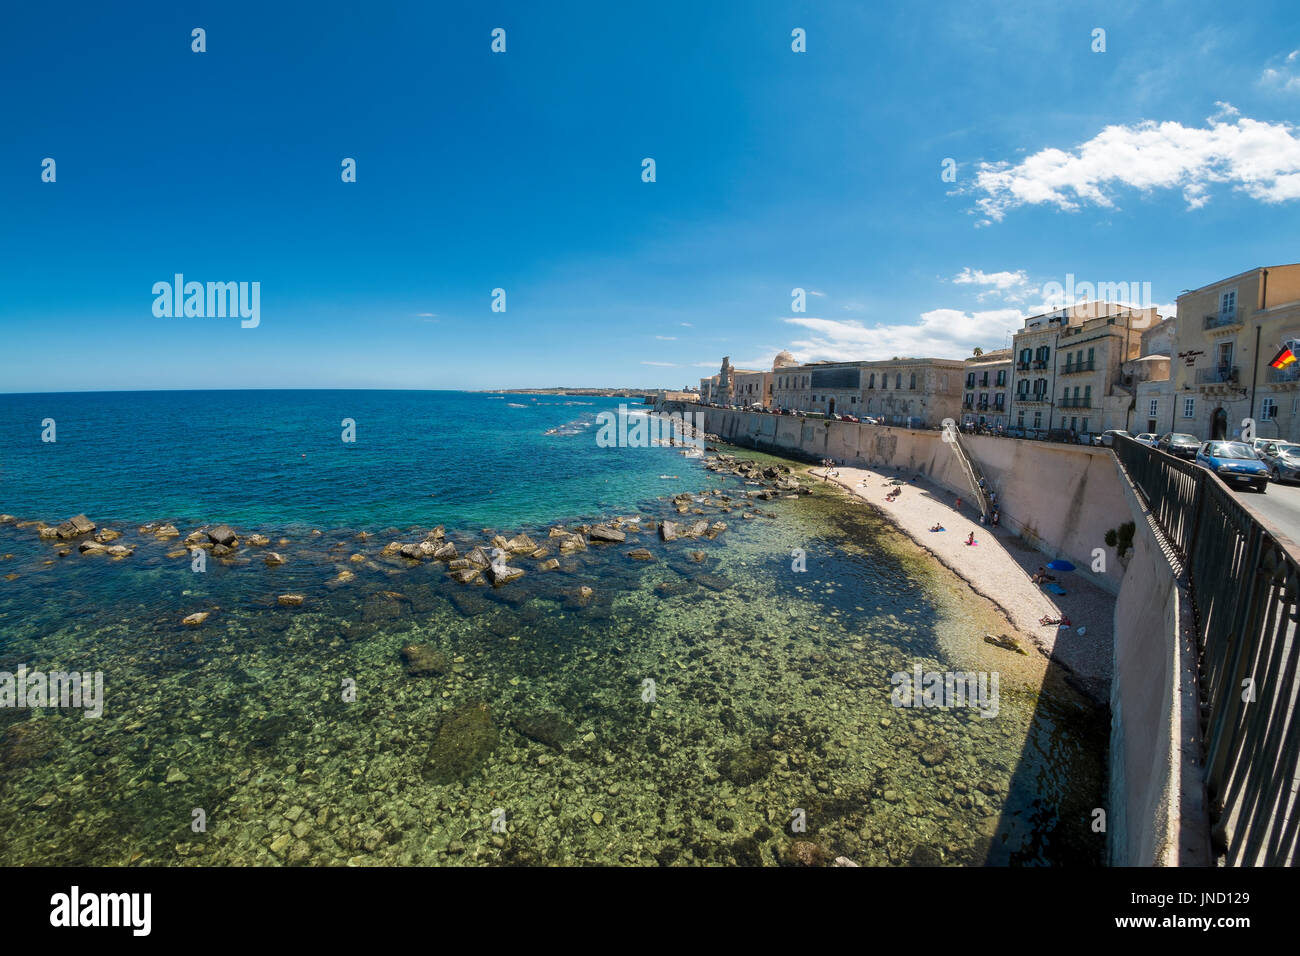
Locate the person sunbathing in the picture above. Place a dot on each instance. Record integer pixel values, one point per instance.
(971, 539)
(1062, 621)
(937, 527)
(1041, 575)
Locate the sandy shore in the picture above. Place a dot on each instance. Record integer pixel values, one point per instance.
(998, 567)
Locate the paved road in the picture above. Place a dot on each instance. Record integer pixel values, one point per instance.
(1279, 506)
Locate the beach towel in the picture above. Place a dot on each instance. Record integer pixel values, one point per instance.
(1054, 588)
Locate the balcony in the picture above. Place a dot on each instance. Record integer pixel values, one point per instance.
(1032, 398)
(1217, 375)
(983, 406)
(1071, 368)
(1022, 366)
(1285, 377)
(967, 406)
(1040, 364)
(1082, 401)
(1222, 323)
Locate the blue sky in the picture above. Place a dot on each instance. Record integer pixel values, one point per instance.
(1172, 158)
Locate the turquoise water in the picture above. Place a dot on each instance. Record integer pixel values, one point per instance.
(772, 693)
(277, 457)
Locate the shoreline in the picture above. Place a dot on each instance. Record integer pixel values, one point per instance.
(1001, 576)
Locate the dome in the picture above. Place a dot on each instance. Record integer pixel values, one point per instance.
(783, 360)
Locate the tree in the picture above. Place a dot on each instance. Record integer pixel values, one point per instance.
(978, 351)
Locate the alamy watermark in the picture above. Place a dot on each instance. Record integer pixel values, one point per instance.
(215, 300)
(922, 688)
(27, 688)
(622, 429)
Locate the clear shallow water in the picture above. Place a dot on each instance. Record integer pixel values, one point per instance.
(772, 689)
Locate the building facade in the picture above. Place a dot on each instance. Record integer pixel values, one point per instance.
(1068, 374)
(1227, 333)
(986, 391)
(918, 393)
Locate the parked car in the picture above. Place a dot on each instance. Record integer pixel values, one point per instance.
(1146, 438)
(1235, 462)
(1179, 444)
(1282, 458)
(1107, 438)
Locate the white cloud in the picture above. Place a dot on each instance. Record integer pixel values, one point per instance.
(1285, 76)
(661, 364)
(687, 325)
(939, 333)
(1013, 286)
(820, 295)
(1259, 159)
(666, 338)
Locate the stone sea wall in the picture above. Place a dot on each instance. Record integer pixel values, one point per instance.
(1060, 498)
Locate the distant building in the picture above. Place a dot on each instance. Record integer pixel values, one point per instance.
(1149, 373)
(987, 389)
(913, 392)
(1068, 367)
(1227, 333)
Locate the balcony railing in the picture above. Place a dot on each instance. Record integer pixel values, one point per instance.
(1069, 368)
(1082, 401)
(1022, 366)
(1284, 374)
(1221, 319)
(967, 406)
(983, 406)
(1040, 363)
(1219, 374)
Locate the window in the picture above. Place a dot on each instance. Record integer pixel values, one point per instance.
(969, 396)
(1091, 354)
(1155, 403)
(1228, 303)
(970, 379)
(1189, 407)
(872, 383)
(984, 379)
(1020, 419)
(1269, 410)
(1038, 420)
(1085, 424)
(898, 381)
(1002, 378)
(912, 382)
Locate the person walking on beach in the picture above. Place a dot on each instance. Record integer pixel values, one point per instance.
(971, 539)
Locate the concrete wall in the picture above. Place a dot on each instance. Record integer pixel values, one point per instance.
(1158, 811)
(1060, 498)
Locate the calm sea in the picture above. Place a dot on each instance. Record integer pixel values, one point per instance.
(725, 702)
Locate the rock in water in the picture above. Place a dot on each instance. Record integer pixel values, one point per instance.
(465, 738)
(502, 573)
(549, 729)
(223, 534)
(804, 853)
(603, 532)
(423, 659)
(641, 554)
(743, 767)
(195, 619)
(1003, 641)
(668, 530)
(291, 600)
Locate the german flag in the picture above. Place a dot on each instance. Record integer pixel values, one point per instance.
(1284, 358)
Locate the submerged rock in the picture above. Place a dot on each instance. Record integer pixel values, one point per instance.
(602, 532)
(549, 729)
(502, 573)
(291, 600)
(641, 554)
(273, 560)
(75, 526)
(195, 619)
(424, 659)
(464, 739)
(746, 766)
(804, 853)
(668, 530)
(24, 742)
(1005, 642)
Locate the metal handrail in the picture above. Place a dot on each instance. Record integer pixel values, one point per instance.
(1244, 582)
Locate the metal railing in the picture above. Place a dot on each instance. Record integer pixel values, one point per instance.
(1069, 368)
(1080, 401)
(1291, 374)
(1220, 319)
(1245, 589)
(1217, 374)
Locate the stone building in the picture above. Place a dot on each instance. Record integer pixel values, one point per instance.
(1068, 367)
(987, 389)
(912, 392)
(1149, 373)
(1227, 333)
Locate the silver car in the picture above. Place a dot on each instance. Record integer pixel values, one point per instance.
(1282, 459)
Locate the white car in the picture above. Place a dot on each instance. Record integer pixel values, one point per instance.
(1146, 438)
